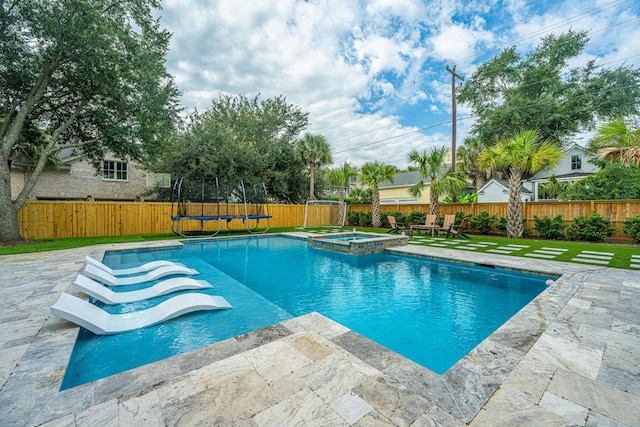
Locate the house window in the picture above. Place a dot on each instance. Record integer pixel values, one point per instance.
(576, 162)
(116, 171)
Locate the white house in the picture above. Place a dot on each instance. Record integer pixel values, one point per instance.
(497, 190)
(573, 166)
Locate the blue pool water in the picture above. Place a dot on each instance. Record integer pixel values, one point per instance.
(432, 312)
(348, 237)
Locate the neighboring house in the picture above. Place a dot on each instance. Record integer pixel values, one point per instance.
(497, 190)
(77, 180)
(573, 166)
(397, 192)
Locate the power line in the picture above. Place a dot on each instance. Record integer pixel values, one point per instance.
(419, 113)
(470, 58)
(447, 122)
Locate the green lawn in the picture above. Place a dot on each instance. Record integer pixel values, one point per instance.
(610, 255)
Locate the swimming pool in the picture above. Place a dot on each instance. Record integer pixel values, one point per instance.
(432, 312)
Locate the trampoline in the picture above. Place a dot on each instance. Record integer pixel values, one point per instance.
(196, 206)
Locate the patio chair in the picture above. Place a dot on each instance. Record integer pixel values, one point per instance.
(98, 321)
(107, 296)
(459, 230)
(144, 268)
(395, 227)
(158, 273)
(430, 224)
(449, 220)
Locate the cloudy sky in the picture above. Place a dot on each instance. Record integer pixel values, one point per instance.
(372, 73)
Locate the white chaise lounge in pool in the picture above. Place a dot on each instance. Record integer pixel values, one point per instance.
(144, 268)
(107, 296)
(158, 273)
(100, 322)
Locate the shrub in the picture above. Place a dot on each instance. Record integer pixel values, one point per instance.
(483, 222)
(459, 217)
(416, 217)
(632, 228)
(353, 217)
(594, 228)
(547, 228)
(501, 225)
(399, 216)
(365, 219)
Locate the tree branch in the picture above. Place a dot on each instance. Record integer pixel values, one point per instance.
(15, 128)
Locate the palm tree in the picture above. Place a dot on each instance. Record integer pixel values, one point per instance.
(552, 189)
(361, 195)
(341, 177)
(372, 174)
(616, 142)
(430, 167)
(519, 155)
(315, 150)
(468, 155)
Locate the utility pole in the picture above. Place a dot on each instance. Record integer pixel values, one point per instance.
(453, 119)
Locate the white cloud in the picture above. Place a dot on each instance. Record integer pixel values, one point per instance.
(335, 59)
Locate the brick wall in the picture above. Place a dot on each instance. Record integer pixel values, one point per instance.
(81, 181)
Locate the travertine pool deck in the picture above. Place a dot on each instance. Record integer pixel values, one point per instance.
(570, 357)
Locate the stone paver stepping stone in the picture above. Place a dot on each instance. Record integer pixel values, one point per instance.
(555, 249)
(539, 255)
(554, 253)
(517, 246)
(477, 245)
(412, 242)
(440, 245)
(583, 255)
(468, 248)
(499, 251)
(488, 243)
(507, 248)
(598, 253)
(635, 266)
(591, 261)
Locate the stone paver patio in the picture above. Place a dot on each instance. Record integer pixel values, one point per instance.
(570, 357)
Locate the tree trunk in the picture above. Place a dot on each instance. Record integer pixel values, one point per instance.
(312, 189)
(514, 208)
(434, 204)
(9, 227)
(375, 208)
(342, 208)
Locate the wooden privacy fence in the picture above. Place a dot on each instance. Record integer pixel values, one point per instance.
(617, 210)
(57, 219)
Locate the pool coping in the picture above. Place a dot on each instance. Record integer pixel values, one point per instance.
(469, 392)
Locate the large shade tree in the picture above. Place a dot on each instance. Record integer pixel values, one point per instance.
(431, 166)
(372, 174)
(242, 137)
(89, 76)
(542, 91)
(315, 151)
(615, 181)
(521, 154)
